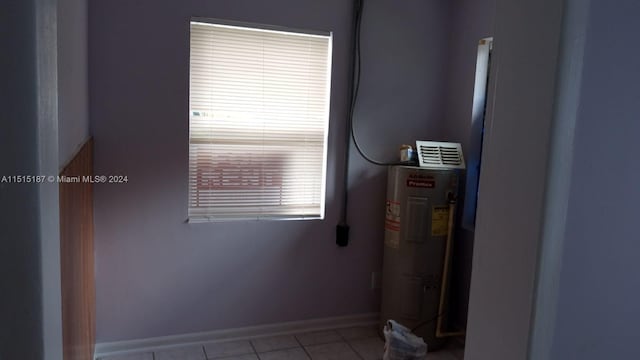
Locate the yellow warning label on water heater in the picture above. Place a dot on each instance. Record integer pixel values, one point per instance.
(439, 220)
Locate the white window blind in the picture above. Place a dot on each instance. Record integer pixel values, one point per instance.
(259, 110)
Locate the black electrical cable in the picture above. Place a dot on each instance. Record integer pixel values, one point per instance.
(356, 70)
(350, 135)
(357, 8)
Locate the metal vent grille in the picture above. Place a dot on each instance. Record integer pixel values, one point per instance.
(440, 155)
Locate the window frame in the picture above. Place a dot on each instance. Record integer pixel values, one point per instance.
(212, 217)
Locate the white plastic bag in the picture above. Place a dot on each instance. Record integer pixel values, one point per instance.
(402, 344)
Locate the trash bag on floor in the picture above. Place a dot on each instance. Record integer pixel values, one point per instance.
(402, 344)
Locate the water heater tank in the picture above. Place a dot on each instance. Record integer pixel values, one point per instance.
(418, 206)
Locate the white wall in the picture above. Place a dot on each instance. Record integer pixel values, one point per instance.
(29, 260)
(48, 206)
(594, 307)
(20, 277)
(586, 301)
(512, 183)
(569, 81)
(73, 87)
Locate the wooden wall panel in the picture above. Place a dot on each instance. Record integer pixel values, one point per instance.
(77, 258)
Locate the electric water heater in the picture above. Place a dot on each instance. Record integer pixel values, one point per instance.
(419, 219)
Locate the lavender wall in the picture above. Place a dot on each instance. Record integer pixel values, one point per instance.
(404, 53)
(404, 61)
(598, 296)
(157, 275)
(73, 99)
(472, 20)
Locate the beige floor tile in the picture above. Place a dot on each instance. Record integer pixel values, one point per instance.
(368, 349)
(242, 357)
(318, 337)
(275, 343)
(333, 351)
(288, 354)
(136, 356)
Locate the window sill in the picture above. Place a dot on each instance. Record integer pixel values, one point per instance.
(206, 219)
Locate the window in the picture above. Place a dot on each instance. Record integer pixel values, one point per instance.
(259, 114)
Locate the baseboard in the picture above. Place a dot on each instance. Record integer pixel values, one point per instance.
(286, 328)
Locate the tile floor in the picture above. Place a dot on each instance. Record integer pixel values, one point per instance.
(356, 343)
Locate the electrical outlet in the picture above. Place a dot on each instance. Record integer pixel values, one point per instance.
(375, 280)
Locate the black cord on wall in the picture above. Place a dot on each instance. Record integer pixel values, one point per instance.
(356, 71)
(342, 230)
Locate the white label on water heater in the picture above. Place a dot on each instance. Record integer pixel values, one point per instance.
(392, 224)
